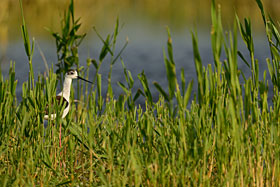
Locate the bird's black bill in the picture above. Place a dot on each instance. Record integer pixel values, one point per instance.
(84, 80)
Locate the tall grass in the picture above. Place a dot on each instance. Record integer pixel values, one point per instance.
(226, 135)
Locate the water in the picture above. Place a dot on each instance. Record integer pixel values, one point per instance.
(144, 52)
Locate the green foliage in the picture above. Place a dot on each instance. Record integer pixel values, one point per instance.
(227, 136)
(109, 47)
(68, 41)
(28, 49)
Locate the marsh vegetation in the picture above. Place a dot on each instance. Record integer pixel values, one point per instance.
(225, 133)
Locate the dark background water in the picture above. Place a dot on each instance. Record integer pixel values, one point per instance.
(144, 52)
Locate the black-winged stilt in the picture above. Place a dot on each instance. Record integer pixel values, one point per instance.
(64, 96)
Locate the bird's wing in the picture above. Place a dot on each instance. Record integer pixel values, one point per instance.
(60, 101)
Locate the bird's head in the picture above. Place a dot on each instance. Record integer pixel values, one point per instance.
(73, 74)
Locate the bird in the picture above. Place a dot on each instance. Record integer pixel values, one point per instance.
(63, 98)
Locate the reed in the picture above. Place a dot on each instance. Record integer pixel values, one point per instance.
(227, 134)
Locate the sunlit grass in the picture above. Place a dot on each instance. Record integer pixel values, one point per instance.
(226, 135)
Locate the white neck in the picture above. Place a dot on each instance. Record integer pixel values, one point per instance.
(66, 89)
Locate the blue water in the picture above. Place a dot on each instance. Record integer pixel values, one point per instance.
(144, 52)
